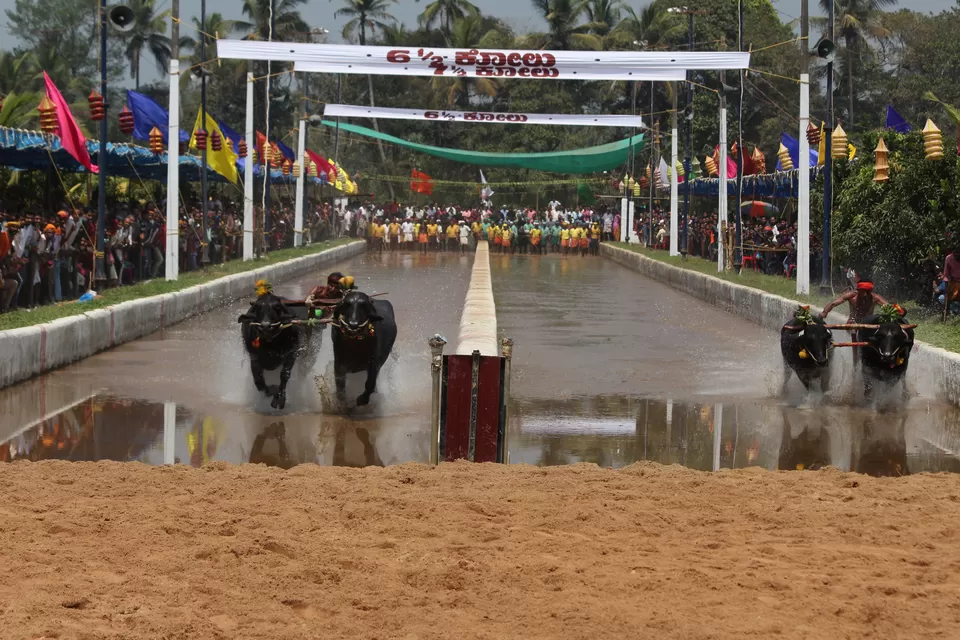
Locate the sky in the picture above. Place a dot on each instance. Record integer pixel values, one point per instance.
(319, 13)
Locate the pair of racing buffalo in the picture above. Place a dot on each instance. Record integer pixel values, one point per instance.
(806, 345)
(364, 331)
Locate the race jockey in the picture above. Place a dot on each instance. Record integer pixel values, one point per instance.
(337, 285)
(862, 302)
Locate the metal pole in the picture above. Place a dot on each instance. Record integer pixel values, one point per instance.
(302, 175)
(688, 151)
(722, 195)
(172, 264)
(506, 352)
(803, 197)
(205, 241)
(169, 432)
(738, 253)
(828, 163)
(653, 152)
(102, 154)
(717, 434)
(436, 351)
(674, 183)
(249, 165)
(266, 165)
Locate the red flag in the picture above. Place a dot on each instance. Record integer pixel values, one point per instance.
(420, 182)
(323, 165)
(731, 163)
(70, 137)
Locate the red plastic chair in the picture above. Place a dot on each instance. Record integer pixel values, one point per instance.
(749, 260)
(791, 271)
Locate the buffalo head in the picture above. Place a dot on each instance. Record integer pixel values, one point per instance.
(814, 341)
(267, 315)
(891, 341)
(355, 313)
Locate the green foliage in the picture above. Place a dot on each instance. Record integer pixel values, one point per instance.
(890, 228)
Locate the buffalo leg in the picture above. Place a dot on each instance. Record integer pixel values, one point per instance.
(787, 372)
(280, 399)
(825, 380)
(257, 370)
(340, 378)
(371, 386)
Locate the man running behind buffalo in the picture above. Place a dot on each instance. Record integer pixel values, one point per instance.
(863, 301)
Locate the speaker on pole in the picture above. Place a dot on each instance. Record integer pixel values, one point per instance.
(121, 18)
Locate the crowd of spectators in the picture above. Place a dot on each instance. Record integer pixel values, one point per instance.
(49, 257)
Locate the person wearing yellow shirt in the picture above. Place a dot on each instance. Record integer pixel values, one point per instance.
(453, 236)
(506, 238)
(476, 231)
(379, 231)
(497, 235)
(423, 237)
(595, 238)
(535, 235)
(370, 229)
(565, 239)
(432, 233)
(394, 235)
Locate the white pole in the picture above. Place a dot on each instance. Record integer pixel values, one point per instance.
(173, 175)
(169, 432)
(722, 197)
(717, 433)
(248, 176)
(674, 185)
(298, 213)
(803, 197)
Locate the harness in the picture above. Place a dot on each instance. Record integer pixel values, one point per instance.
(363, 332)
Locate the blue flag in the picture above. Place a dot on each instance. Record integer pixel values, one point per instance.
(793, 146)
(896, 121)
(286, 151)
(147, 114)
(234, 137)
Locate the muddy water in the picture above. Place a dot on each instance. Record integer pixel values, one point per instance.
(111, 406)
(611, 367)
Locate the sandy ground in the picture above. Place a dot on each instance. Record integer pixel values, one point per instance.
(115, 550)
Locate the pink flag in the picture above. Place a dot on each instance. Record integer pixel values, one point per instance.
(70, 137)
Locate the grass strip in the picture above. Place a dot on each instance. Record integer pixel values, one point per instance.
(158, 286)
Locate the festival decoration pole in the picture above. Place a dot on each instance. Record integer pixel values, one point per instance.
(205, 241)
(738, 252)
(688, 114)
(674, 187)
(301, 175)
(249, 164)
(172, 264)
(266, 107)
(826, 279)
(99, 271)
(803, 195)
(722, 191)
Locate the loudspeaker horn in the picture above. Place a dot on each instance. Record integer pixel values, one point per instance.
(121, 18)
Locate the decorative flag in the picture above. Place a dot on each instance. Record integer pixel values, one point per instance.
(731, 163)
(793, 146)
(323, 166)
(822, 148)
(224, 161)
(147, 114)
(896, 121)
(420, 182)
(662, 173)
(286, 151)
(228, 134)
(485, 192)
(70, 137)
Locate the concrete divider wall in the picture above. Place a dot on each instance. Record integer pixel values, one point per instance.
(931, 368)
(31, 351)
(478, 324)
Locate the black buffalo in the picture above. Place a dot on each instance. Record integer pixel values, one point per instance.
(887, 355)
(806, 345)
(364, 331)
(272, 340)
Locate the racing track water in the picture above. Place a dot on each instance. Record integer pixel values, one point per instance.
(609, 367)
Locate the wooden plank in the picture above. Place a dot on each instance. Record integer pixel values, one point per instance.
(488, 410)
(457, 404)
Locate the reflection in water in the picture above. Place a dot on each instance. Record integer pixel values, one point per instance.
(616, 431)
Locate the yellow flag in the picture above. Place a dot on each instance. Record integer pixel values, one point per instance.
(851, 151)
(224, 161)
(822, 150)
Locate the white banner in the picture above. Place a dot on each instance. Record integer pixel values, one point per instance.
(385, 113)
(413, 61)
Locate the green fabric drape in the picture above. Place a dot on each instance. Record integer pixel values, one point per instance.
(586, 160)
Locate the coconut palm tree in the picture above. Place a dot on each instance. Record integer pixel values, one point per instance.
(149, 32)
(468, 33)
(289, 25)
(856, 21)
(446, 12)
(13, 69)
(603, 15)
(20, 110)
(565, 30)
(649, 29)
(366, 17)
(216, 27)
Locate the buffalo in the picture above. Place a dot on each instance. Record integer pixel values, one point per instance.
(885, 359)
(806, 343)
(364, 331)
(273, 340)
